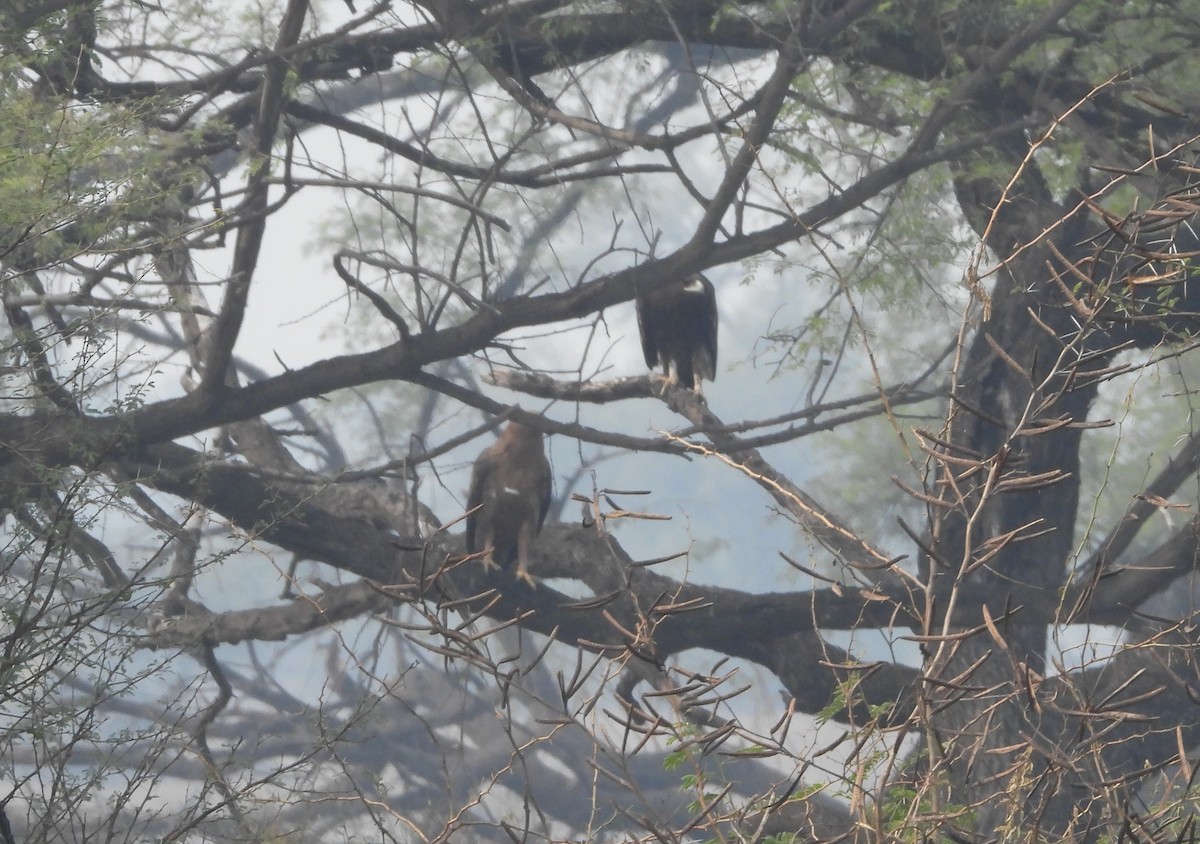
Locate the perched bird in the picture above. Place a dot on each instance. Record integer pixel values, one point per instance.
(508, 499)
(678, 324)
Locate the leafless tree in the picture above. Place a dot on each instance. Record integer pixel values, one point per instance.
(957, 369)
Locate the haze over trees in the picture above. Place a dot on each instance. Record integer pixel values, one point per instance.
(928, 567)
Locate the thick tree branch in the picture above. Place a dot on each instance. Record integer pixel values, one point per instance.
(224, 332)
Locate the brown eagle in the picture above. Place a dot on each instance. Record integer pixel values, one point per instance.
(508, 499)
(678, 324)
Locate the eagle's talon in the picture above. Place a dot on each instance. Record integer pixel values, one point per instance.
(524, 575)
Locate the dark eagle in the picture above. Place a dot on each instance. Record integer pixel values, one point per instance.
(679, 330)
(508, 499)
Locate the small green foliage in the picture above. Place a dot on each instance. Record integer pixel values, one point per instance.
(674, 760)
(782, 838)
(835, 707)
